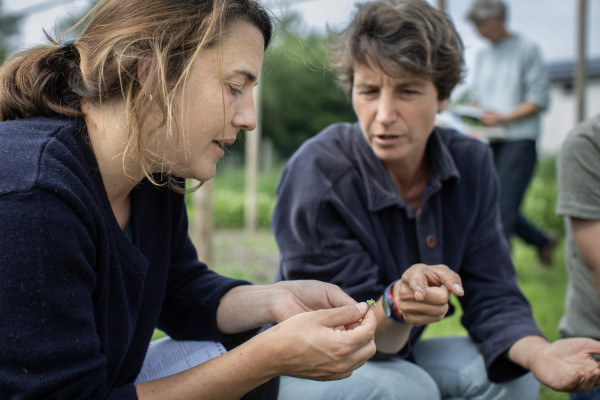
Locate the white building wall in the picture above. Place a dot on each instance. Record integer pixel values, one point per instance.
(559, 119)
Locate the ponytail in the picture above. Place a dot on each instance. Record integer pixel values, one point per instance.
(39, 81)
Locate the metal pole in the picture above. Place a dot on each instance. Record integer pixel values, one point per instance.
(581, 69)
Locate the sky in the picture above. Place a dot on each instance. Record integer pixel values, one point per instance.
(550, 23)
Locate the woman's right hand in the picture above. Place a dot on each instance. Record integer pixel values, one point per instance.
(320, 345)
(423, 293)
(325, 344)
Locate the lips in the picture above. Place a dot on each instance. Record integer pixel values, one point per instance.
(387, 139)
(224, 142)
(220, 145)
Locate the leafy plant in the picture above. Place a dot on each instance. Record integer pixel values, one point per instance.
(539, 203)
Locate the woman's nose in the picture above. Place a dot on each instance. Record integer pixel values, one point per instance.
(245, 117)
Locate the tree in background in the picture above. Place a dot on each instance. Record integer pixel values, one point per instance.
(299, 94)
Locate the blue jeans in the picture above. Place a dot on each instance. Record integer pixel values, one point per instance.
(515, 163)
(449, 368)
(591, 395)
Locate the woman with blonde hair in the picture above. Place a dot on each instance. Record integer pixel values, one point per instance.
(97, 136)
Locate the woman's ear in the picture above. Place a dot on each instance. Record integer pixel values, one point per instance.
(442, 105)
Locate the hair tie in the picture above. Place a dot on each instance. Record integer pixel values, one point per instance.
(68, 48)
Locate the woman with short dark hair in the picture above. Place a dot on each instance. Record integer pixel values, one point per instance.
(394, 208)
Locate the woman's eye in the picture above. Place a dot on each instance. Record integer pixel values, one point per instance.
(235, 90)
(408, 92)
(368, 92)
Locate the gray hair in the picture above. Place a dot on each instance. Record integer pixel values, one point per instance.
(486, 9)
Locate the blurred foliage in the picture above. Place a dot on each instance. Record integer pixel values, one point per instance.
(9, 26)
(299, 94)
(539, 204)
(228, 197)
(228, 209)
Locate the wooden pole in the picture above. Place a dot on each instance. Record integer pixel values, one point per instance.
(441, 5)
(581, 69)
(252, 141)
(202, 227)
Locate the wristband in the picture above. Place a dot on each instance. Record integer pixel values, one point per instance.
(389, 307)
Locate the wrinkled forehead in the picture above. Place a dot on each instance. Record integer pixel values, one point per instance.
(393, 68)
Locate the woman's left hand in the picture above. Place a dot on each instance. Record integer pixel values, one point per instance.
(251, 306)
(567, 365)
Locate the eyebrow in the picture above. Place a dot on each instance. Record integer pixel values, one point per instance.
(412, 83)
(249, 75)
(417, 83)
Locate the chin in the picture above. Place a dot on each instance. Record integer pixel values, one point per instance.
(200, 173)
(390, 155)
(206, 175)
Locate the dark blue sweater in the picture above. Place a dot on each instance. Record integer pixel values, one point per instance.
(79, 301)
(339, 218)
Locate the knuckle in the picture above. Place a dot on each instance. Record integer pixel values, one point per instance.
(340, 350)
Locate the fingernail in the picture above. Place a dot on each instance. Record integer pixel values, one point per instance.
(417, 295)
(362, 307)
(458, 288)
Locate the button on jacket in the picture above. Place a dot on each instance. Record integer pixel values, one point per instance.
(339, 218)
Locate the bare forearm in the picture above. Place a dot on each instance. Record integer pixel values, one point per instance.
(523, 110)
(525, 349)
(304, 343)
(246, 307)
(390, 337)
(228, 376)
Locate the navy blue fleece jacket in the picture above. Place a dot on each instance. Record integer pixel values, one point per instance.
(340, 218)
(78, 300)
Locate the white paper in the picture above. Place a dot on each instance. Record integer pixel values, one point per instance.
(167, 357)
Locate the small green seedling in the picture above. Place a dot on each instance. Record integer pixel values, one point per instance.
(371, 303)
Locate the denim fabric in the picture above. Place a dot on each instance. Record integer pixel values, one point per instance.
(515, 162)
(449, 368)
(591, 395)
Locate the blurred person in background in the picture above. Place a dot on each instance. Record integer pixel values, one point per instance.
(510, 85)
